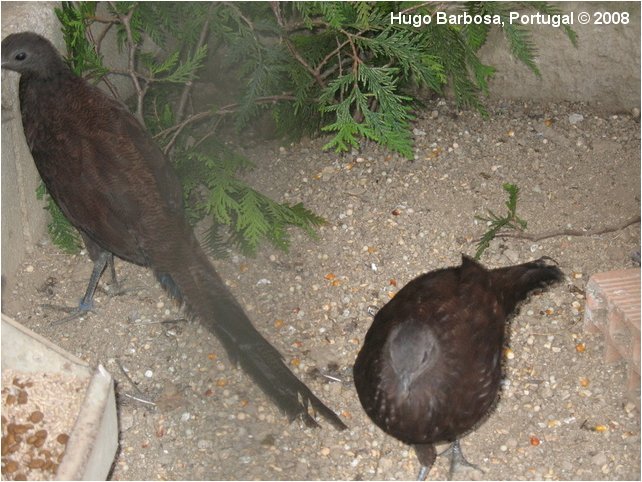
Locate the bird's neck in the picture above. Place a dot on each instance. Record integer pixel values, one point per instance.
(54, 69)
(33, 85)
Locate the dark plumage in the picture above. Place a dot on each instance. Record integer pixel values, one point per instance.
(113, 183)
(430, 367)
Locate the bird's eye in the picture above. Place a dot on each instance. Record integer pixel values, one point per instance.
(21, 56)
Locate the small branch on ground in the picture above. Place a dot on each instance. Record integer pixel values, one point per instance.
(571, 232)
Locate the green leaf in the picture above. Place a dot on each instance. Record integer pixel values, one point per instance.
(498, 223)
(62, 233)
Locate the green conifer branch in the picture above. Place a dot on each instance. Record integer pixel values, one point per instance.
(497, 224)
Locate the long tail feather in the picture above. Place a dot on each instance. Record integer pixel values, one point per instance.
(207, 298)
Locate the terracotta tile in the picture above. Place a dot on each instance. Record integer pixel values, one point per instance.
(613, 309)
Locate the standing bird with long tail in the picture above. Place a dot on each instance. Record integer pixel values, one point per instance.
(113, 183)
(429, 370)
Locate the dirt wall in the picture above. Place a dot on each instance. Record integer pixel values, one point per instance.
(604, 69)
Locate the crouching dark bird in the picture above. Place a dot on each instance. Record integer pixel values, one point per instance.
(114, 184)
(430, 367)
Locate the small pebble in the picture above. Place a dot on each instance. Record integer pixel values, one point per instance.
(575, 118)
(204, 444)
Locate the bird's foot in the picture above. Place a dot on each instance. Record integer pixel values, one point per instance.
(74, 312)
(117, 288)
(458, 462)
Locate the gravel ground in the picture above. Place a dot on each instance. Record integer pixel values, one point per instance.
(563, 413)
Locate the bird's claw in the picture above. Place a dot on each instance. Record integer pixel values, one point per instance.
(458, 461)
(74, 312)
(118, 289)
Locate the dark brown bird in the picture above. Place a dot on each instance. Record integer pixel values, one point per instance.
(113, 183)
(429, 370)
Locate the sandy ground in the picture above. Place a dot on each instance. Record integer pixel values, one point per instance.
(389, 220)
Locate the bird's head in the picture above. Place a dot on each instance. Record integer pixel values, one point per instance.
(30, 53)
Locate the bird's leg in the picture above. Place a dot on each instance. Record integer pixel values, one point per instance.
(117, 289)
(95, 253)
(115, 286)
(104, 258)
(457, 459)
(426, 455)
(87, 301)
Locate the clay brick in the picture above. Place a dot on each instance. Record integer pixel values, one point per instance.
(613, 309)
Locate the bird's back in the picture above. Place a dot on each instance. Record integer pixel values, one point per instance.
(93, 155)
(429, 369)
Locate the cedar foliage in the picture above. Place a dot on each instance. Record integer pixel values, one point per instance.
(339, 68)
(497, 223)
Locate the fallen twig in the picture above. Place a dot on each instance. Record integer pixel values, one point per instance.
(570, 232)
(141, 400)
